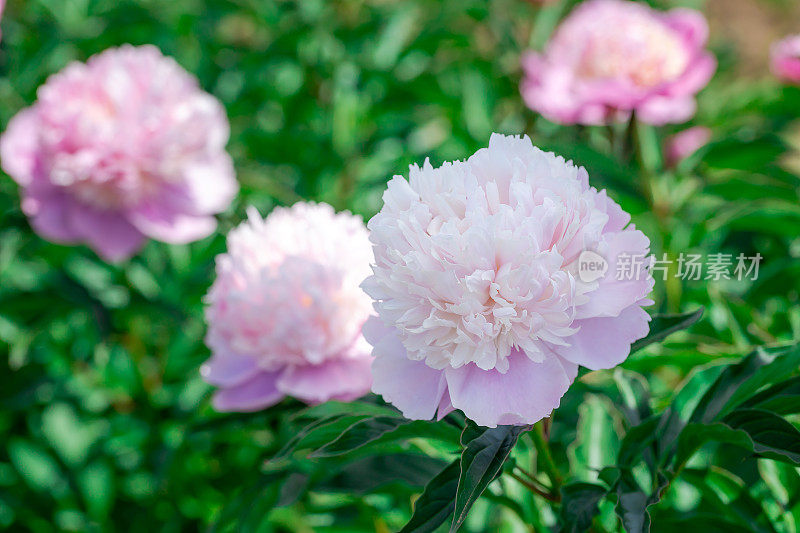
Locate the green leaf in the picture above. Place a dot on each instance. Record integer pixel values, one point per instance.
(371, 473)
(635, 394)
(782, 398)
(740, 381)
(636, 441)
(481, 461)
(695, 435)
(664, 325)
(773, 437)
(359, 434)
(597, 443)
(728, 496)
(319, 433)
(633, 502)
(437, 501)
(579, 505)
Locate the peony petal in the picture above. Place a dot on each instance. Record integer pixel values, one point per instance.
(211, 185)
(18, 146)
(615, 292)
(107, 232)
(164, 218)
(606, 342)
(691, 24)
(336, 379)
(412, 386)
(259, 392)
(51, 215)
(525, 394)
(228, 370)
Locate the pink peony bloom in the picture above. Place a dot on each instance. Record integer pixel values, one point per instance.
(477, 286)
(685, 143)
(612, 57)
(785, 59)
(124, 147)
(285, 312)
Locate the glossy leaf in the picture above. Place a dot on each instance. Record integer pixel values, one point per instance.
(579, 505)
(772, 436)
(359, 434)
(482, 459)
(740, 381)
(437, 501)
(664, 325)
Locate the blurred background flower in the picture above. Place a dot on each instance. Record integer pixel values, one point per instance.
(285, 311)
(124, 147)
(685, 143)
(609, 58)
(785, 59)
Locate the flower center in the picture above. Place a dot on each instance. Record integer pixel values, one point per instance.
(647, 54)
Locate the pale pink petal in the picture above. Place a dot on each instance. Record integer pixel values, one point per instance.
(259, 392)
(525, 394)
(50, 215)
(342, 379)
(411, 386)
(112, 236)
(625, 283)
(606, 342)
(229, 369)
(18, 146)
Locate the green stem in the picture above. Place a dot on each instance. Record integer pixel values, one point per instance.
(533, 488)
(543, 450)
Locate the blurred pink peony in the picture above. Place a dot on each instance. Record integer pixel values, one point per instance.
(476, 283)
(124, 147)
(611, 57)
(285, 312)
(785, 59)
(685, 143)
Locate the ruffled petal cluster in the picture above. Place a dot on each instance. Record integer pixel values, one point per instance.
(609, 58)
(285, 312)
(481, 305)
(121, 148)
(785, 59)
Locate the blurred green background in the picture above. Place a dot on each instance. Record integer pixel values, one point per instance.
(104, 421)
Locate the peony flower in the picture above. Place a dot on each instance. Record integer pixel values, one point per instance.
(285, 312)
(124, 147)
(685, 143)
(478, 287)
(612, 57)
(785, 59)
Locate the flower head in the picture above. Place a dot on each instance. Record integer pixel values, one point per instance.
(285, 312)
(785, 59)
(612, 57)
(477, 286)
(123, 147)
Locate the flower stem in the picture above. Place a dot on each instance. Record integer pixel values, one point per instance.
(543, 450)
(533, 488)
